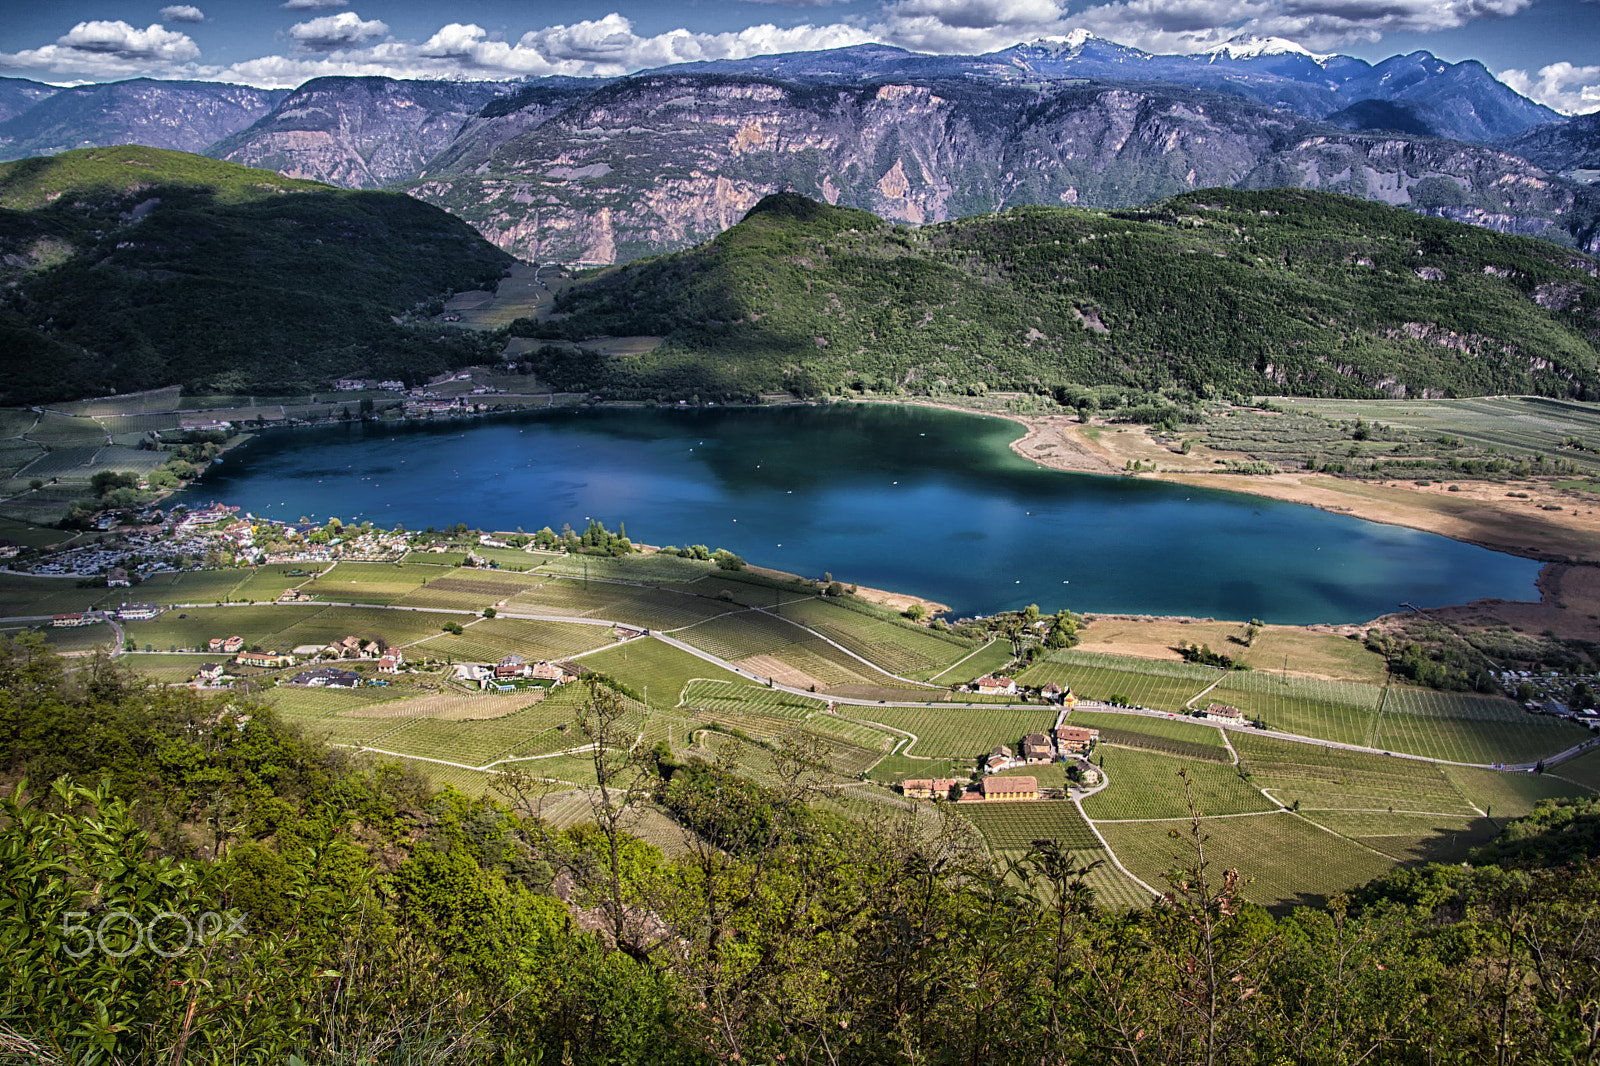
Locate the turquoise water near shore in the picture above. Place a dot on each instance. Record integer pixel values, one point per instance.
(914, 499)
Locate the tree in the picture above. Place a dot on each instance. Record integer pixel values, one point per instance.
(726, 560)
(453, 627)
(916, 612)
(489, 612)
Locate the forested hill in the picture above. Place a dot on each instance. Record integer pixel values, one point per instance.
(130, 268)
(1283, 291)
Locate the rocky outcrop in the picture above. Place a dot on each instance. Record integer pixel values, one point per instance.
(184, 116)
(359, 133)
(660, 162)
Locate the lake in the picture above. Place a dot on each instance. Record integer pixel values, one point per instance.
(914, 499)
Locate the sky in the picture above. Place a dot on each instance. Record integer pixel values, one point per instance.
(1548, 50)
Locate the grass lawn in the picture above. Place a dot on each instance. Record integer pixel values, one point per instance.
(986, 660)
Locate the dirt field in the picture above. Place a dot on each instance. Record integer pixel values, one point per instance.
(1324, 652)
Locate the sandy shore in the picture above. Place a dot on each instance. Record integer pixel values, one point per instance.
(1539, 523)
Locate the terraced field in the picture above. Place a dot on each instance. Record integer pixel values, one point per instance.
(1146, 785)
(1287, 860)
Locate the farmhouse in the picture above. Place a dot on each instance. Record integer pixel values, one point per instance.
(326, 677)
(999, 759)
(391, 662)
(117, 578)
(209, 672)
(1075, 739)
(1004, 789)
(990, 685)
(924, 788)
(1225, 712)
(67, 621)
(511, 666)
(549, 672)
(232, 645)
(265, 660)
(1036, 748)
(138, 612)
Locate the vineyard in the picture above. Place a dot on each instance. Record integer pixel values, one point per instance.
(492, 639)
(657, 669)
(1330, 778)
(1410, 837)
(956, 731)
(1114, 679)
(365, 582)
(1509, 795)
(1284, 859)
(1014, 826)
(1472, 729)
(1185, 737)
(897, 648)
(1145, 785)
(257, 625)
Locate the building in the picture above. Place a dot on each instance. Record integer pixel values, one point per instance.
(391, 662)
(117, 578)
(989, 685)
(548, 672)
(137, 612)
(209, 672)
(326, 677)
(265, 660)
(1004, 789)
(934, 789)
(1075, 739)
(233, 645)
(349, 384)
(68, 621)
(1224, 712)
(1036, 748)
(998, 759)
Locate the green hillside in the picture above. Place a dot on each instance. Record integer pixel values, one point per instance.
(130, 268)
(1284, 291)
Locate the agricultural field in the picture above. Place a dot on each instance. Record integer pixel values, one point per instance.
(1285, 859)
(1410, 837)
(75, 639)
(190, 586)
(1321, 778)
(1314, 653)
(192, 627)
(35, 597)
(1328, 710)
(1014, 826)
(1504, 794)
(1146, 785)
(1116, 679)
(1187, 738)
(650, 569)
(1583, 770)
(958, 732)
(15, 421)
(168, 669)
(264, 583)
(365, 582)
(329, 624)
(1472, 729)
(492, 639)
(1526, 423)
(895, 768)
(55, 428)
(653, 667)
(74, 462)
(899, 649)
(986, 660)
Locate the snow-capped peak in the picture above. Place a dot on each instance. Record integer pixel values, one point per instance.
(1249, 46)
(1070, 41)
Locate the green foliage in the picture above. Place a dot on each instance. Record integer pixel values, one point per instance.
(222, 278)
(1217, 291)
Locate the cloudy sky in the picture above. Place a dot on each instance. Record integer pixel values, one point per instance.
(1547, 49)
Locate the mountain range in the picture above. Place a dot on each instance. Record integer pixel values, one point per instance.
(596, 171)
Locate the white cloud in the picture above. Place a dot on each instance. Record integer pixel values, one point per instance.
(313, 5)
(333, 32)
(101, 49)
(182, 13)
(1569, 89)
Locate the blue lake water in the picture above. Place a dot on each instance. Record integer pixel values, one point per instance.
(907, 498)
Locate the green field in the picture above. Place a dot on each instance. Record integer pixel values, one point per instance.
(1410, 837)
(492, 639)
(1585, 770)
(30, 597)
(172, 669)
(1014, 826)
(1145, 784)
(892, 769)
(986, 660)
(896, 647)
(1189, 738)
(662, 671)
(1473, 729)
(1285, 860)
(192, 627)
(958, 732)
(1328, 710)
(1115, 679)
(365, 582)
(1329, 778)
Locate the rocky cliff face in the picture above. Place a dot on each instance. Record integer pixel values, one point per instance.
(359, 133)
(184, 116)
(660, 162)
(1563, 147)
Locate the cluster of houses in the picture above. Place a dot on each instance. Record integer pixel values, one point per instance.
(511, 671)
(1062, 743)
(1001, 685)
(1038, 749)
(128, 612)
